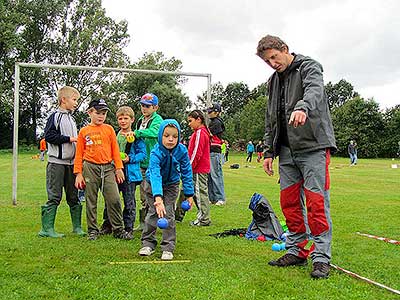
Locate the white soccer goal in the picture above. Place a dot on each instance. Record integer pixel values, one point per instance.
(19, 65)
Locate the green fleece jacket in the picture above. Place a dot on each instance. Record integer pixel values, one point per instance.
(149, 135)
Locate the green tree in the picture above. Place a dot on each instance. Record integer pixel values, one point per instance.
(235, 97)
(359, 120)
(173, 102)
(390, 144)
(11, 20)
(339, 93)
(217, 95)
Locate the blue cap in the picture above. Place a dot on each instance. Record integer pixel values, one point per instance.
(149, 99)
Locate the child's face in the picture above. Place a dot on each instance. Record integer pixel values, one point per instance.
(213, 114)
(194, 123)
(125, 122)
(97, 117)
(170, 137)
(147, 110)
(69, 103)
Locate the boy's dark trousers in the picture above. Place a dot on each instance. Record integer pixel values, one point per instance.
(150, 225)
(129, 212)
(102, 177)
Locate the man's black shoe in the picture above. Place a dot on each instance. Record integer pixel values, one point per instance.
(288, 260)
(320, 270)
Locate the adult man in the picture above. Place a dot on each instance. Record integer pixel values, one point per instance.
(299, 130)
(216, 190)
(352, 150)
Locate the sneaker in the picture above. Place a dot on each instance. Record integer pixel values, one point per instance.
(320, 270)
(146, 251)
(123, 235)
(220, 203)
(198, 223)
(166, 255)
(288, 260)
(93, 235)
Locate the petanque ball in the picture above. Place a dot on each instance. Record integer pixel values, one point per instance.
(276, 247)
(261, 238)
(162, 223)
(185, 205)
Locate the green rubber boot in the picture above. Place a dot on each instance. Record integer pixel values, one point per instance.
(48, 217)
(76, 218)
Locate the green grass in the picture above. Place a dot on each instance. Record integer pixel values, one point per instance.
(364, 198)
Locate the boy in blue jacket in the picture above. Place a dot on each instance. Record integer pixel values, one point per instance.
(169, 163)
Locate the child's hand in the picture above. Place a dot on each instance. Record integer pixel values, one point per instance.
(160, 208)
(190, 199)
(80, 181)
(119, 176)
(126, 159)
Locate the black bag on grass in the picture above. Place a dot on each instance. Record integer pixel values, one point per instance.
(264, 222)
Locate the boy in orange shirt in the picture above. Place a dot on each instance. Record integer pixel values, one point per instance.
(96, 149)
(42, 148)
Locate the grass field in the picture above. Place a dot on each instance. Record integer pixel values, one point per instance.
(364, 198)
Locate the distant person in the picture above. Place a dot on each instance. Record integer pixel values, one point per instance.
(216, 190)
(223, 151)
(132, 153)
(169, 164)
(147, 128)
(199, 153)
(299, 130)
(42, 148)
(61, 135)
(227, 146)
(98, 167)
(352, 150)
(250, 151)
(259, 150)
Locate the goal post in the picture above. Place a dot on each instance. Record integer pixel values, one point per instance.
(19, 65)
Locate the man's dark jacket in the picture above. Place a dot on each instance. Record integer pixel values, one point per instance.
(303, 90)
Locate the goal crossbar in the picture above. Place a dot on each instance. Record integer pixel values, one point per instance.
(19, 65)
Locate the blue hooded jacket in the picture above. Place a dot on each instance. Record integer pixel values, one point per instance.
(167, 167)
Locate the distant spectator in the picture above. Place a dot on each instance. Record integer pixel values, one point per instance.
(223, 151)
(42, 148)
(352, 149)
(250, 151)
(260, 150)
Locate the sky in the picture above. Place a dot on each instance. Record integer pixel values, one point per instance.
(355, 40)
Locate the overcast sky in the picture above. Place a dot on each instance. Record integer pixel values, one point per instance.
(357, 40)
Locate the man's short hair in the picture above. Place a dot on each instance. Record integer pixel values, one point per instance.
(125, 111)
(67, 92)
(270, 42)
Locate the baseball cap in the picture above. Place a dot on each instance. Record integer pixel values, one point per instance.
(215, 107)
(149, 99)
(99, 104)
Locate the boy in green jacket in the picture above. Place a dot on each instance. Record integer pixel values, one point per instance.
(147, 128)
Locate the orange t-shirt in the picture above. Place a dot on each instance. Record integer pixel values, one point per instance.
(42, 146)
(97, 145)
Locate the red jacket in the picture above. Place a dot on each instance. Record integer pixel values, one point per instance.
(199, 150)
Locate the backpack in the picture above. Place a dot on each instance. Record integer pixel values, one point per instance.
(235, 166)
(265, 222)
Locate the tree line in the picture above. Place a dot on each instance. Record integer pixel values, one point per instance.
(77, 32)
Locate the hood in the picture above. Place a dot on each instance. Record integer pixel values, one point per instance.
(164, 124)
